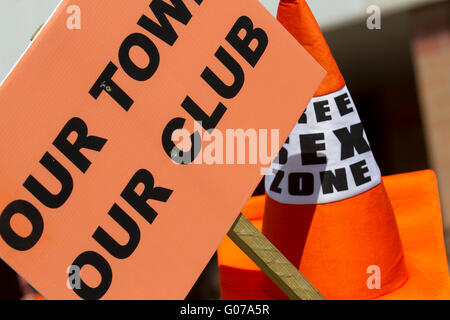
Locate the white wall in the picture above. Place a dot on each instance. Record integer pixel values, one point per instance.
(19, 19)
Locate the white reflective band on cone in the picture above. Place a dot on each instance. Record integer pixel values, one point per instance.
(326, 159)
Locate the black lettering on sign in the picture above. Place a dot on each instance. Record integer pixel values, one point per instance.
(120, 251)
(134, 71)
(164, 29)
(309, 148)
(102, 266)
(359, 170)
(208, 123)
(337, 180)
(242, 46)
(301, 183)
(282, 156)
(303, 118)
(224, 90)
(112, 246)
(139, 201)
(321, 108)
(351, 140)
(342, 103)
(51, 200)
(83, 141)
(47, 198)
(105, 83)
(32, 214)
(275, 185)
(177, 155)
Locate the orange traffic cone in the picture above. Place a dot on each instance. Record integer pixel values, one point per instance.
(352, 233)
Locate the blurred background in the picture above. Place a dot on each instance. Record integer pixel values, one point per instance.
(399, 77)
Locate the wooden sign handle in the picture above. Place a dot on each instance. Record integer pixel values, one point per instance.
(271, 261)
(36, 32)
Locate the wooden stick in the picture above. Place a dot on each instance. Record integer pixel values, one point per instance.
(271, 261)
(36, 32)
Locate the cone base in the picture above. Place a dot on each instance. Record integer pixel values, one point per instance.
(415, 201)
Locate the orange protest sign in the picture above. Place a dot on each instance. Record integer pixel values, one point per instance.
(99, 199)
